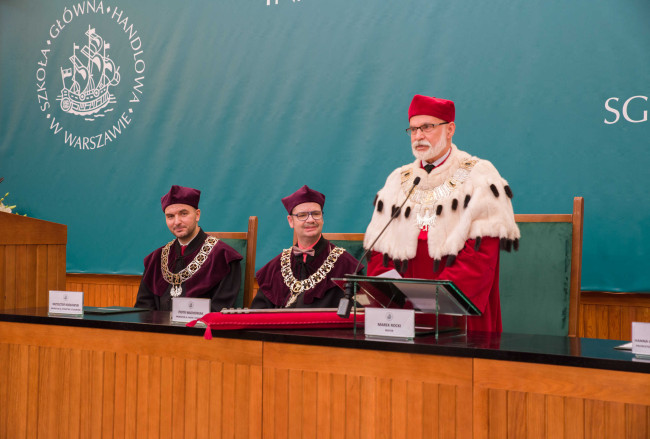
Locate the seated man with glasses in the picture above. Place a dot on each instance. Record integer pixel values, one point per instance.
(301, 276)
(452, 214)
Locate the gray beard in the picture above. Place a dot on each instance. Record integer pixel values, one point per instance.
(432, 152)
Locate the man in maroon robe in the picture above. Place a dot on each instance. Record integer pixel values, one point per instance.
(192, 265)
(453, 222)
(301, 276)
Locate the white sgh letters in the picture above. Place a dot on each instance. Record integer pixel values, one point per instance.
(626, 115)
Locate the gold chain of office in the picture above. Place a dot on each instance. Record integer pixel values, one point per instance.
(443, 190)
(298, 286)
(176, 279)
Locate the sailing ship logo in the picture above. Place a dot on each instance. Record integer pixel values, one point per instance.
(86, 85)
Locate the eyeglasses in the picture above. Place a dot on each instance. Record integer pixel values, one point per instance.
(426, 128)
(315, 214)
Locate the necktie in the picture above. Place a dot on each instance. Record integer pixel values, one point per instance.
(183, 247)
(429, 168)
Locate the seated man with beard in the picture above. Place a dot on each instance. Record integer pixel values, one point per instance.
(192, 265)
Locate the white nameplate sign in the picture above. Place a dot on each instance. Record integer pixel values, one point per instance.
(66, 303)
(186, 309)
(641, 338)
(386, 322)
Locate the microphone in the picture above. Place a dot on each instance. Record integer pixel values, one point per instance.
(345, 304)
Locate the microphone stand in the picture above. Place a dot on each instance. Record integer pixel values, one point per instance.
(345, 304)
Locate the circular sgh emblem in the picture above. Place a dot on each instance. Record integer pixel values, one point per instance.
(90, 75)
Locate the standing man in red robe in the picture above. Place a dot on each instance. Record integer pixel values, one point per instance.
(455, 220)
(193, 264)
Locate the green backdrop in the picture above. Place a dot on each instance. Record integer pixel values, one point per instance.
(248, 100)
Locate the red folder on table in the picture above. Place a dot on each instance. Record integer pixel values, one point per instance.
(275, 320)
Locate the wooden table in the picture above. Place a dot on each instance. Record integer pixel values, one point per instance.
(136, 375)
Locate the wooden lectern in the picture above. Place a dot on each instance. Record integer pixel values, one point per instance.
(32, 260)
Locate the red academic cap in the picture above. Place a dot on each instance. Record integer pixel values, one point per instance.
(430, 106)
(181, 195)
(303, 195)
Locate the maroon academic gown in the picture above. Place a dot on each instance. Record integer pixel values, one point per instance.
(218, 279)
(273, 292)
(475, 273)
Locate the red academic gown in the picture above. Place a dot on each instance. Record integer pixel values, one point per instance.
(475, 272)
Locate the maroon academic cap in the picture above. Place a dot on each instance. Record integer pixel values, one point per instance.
(430, 106)
(181, 195)
(303, 195)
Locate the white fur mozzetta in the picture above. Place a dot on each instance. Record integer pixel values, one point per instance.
(464, 198)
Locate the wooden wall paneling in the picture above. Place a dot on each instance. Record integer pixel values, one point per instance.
(636, 421)
(108, 395)
(144, 403)
(610, 315)
(10, 277)
(275, 403)
(430, 410)
(361, 390)
(353, 407)
(589, 319)
(93, 293)
(516, 414)
(18, 380)
(574, 422)
(602, 321)
(60, 271)
(189, 416)
(595, 419)
(167, 392)
(554, 410)
(4, 396)
(496, 404)
(323, 419)
(398, 408)
(614, 323)
(414, 422)
(309, 398)
(535, 416)
(228, 396)
(41, 293)
(448, 408)
(48, 371)
(296, 413)
(66, 382)
(3, 276)
(628, 315)
(31, 259)
(52, 269)
(382, 406)
(21, 277)
(105, 289)
(614, 419)
(73, 381)
(203, 394)
(535, 400)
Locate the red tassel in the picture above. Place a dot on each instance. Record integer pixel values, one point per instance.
(208, 333)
